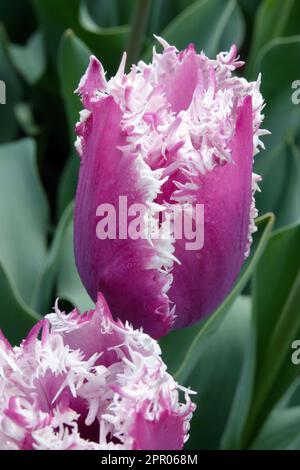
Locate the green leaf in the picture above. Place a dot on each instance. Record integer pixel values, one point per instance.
(281, 431)
(110, 14)
(280, 159)
(161, 14)
(43, 298)
(103, 13)
(25, 118)
(288, 205)
(68, 183)
(273, 165)
(208, 24)
(281, 168)
(125, 10)
(249, 8)
(106, 43)
(16, 318)
(231, 437)
(274, 61)
(274, 19)
(73, 59)
(212, 377)
(276, 301)
(291, 397)
(69, 286)
(182, 4)
(29, 60)
(24, 216)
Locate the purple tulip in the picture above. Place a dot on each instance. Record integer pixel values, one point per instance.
(179, 132)
(89, 383)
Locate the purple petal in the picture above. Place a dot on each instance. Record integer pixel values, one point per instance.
(117, 268)
(181, 83)
(204, 278)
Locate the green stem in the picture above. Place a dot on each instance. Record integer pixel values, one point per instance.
(138, 27)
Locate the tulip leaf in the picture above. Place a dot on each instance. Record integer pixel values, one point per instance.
(212, 378)
(291, 397)
(161, 14)
(281, 431)
(16, 318)
(232, 433)
(268, 373)
(25, 118)
(276, 313)
(249, 8)
(275, 18)
(125, 10)
(182, 4)
(274, 60)
(209, 24)
(43, 292)
(29, 60)
(69, 285)
(288, 204)
(110, 14)
(73, 59)
(106, 43)
(281, 158)
(274, 166)
(103, 13)
(68, 183)
(24, 217)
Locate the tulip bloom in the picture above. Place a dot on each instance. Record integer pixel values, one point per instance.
(181, 130)
(88, 383)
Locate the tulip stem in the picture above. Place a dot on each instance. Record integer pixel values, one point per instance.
(138, 27)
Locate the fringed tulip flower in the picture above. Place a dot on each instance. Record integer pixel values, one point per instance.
(178, 132)
(88, 383)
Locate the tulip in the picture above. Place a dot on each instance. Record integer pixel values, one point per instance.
(88, 383)
(180, 131)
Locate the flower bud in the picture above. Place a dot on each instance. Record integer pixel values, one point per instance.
(177, 137)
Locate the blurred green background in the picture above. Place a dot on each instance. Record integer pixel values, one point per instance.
(239, 359)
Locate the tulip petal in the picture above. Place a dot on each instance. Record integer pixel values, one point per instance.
(85, 332)
(165, 434)
(181, 83)
(93, 81)
(205, 277)
(117, 268)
